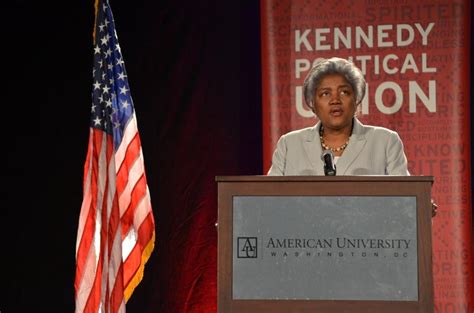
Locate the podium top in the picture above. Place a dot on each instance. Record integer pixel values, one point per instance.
(367, 178)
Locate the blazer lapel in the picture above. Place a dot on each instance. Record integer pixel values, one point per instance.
(357, 142)
(312, 147)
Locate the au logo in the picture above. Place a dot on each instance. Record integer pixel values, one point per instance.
(247, 247)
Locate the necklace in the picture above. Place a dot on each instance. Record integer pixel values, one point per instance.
(326, 147)
(337, 149)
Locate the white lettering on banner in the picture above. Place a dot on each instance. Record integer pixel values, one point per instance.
(398, 97)
(382, 34)
(301, 65)
(366, 37)
(301, 39)
(404, 35)
(424, 32)
(340, 37)
(415, 92)
(389, 96)
(320, 37)
(385, 64)
(411, 35)
(300, 108)
(407, 64)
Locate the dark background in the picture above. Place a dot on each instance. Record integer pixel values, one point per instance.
(194, 73)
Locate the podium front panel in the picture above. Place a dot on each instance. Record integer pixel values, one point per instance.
(325, 247)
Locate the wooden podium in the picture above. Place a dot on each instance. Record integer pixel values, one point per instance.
(353, 244)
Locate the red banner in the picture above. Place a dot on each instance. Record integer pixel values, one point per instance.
(415, 57)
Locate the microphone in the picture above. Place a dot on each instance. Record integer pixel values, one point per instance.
(329, 166)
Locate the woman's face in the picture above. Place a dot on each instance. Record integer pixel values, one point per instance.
(334, 102)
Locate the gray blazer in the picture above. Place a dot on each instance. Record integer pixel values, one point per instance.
(371, 151)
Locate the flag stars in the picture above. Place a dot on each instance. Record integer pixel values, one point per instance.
(97, 121)
(123, 90)
(101, 27)
(125, 104)
(122, 76)
(111, 105)
(104, 40)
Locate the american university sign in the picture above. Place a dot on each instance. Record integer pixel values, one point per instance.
(325, 247)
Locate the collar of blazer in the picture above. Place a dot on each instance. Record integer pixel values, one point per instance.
(313, 148)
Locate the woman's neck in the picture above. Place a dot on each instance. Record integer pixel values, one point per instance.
(337, 133)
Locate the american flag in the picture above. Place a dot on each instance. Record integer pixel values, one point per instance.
(116, 231)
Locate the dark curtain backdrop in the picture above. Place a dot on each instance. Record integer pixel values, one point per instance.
(194, 72)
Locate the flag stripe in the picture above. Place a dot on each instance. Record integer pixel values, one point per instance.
(146, 234)
(132, 154)
(116, 272)
(93, 300)
(97, 296)
(131, 130)
(132, 263)
(138, 193)
(117, 296)
(88, 204)
(87, 284)
(146, 231)
(143, 210)
(86, 194)
(84, 286)
(108, 227)
(91, 243)
(134, 259)
(86, 240)
(135, 174)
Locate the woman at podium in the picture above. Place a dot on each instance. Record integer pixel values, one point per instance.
(339, 144)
